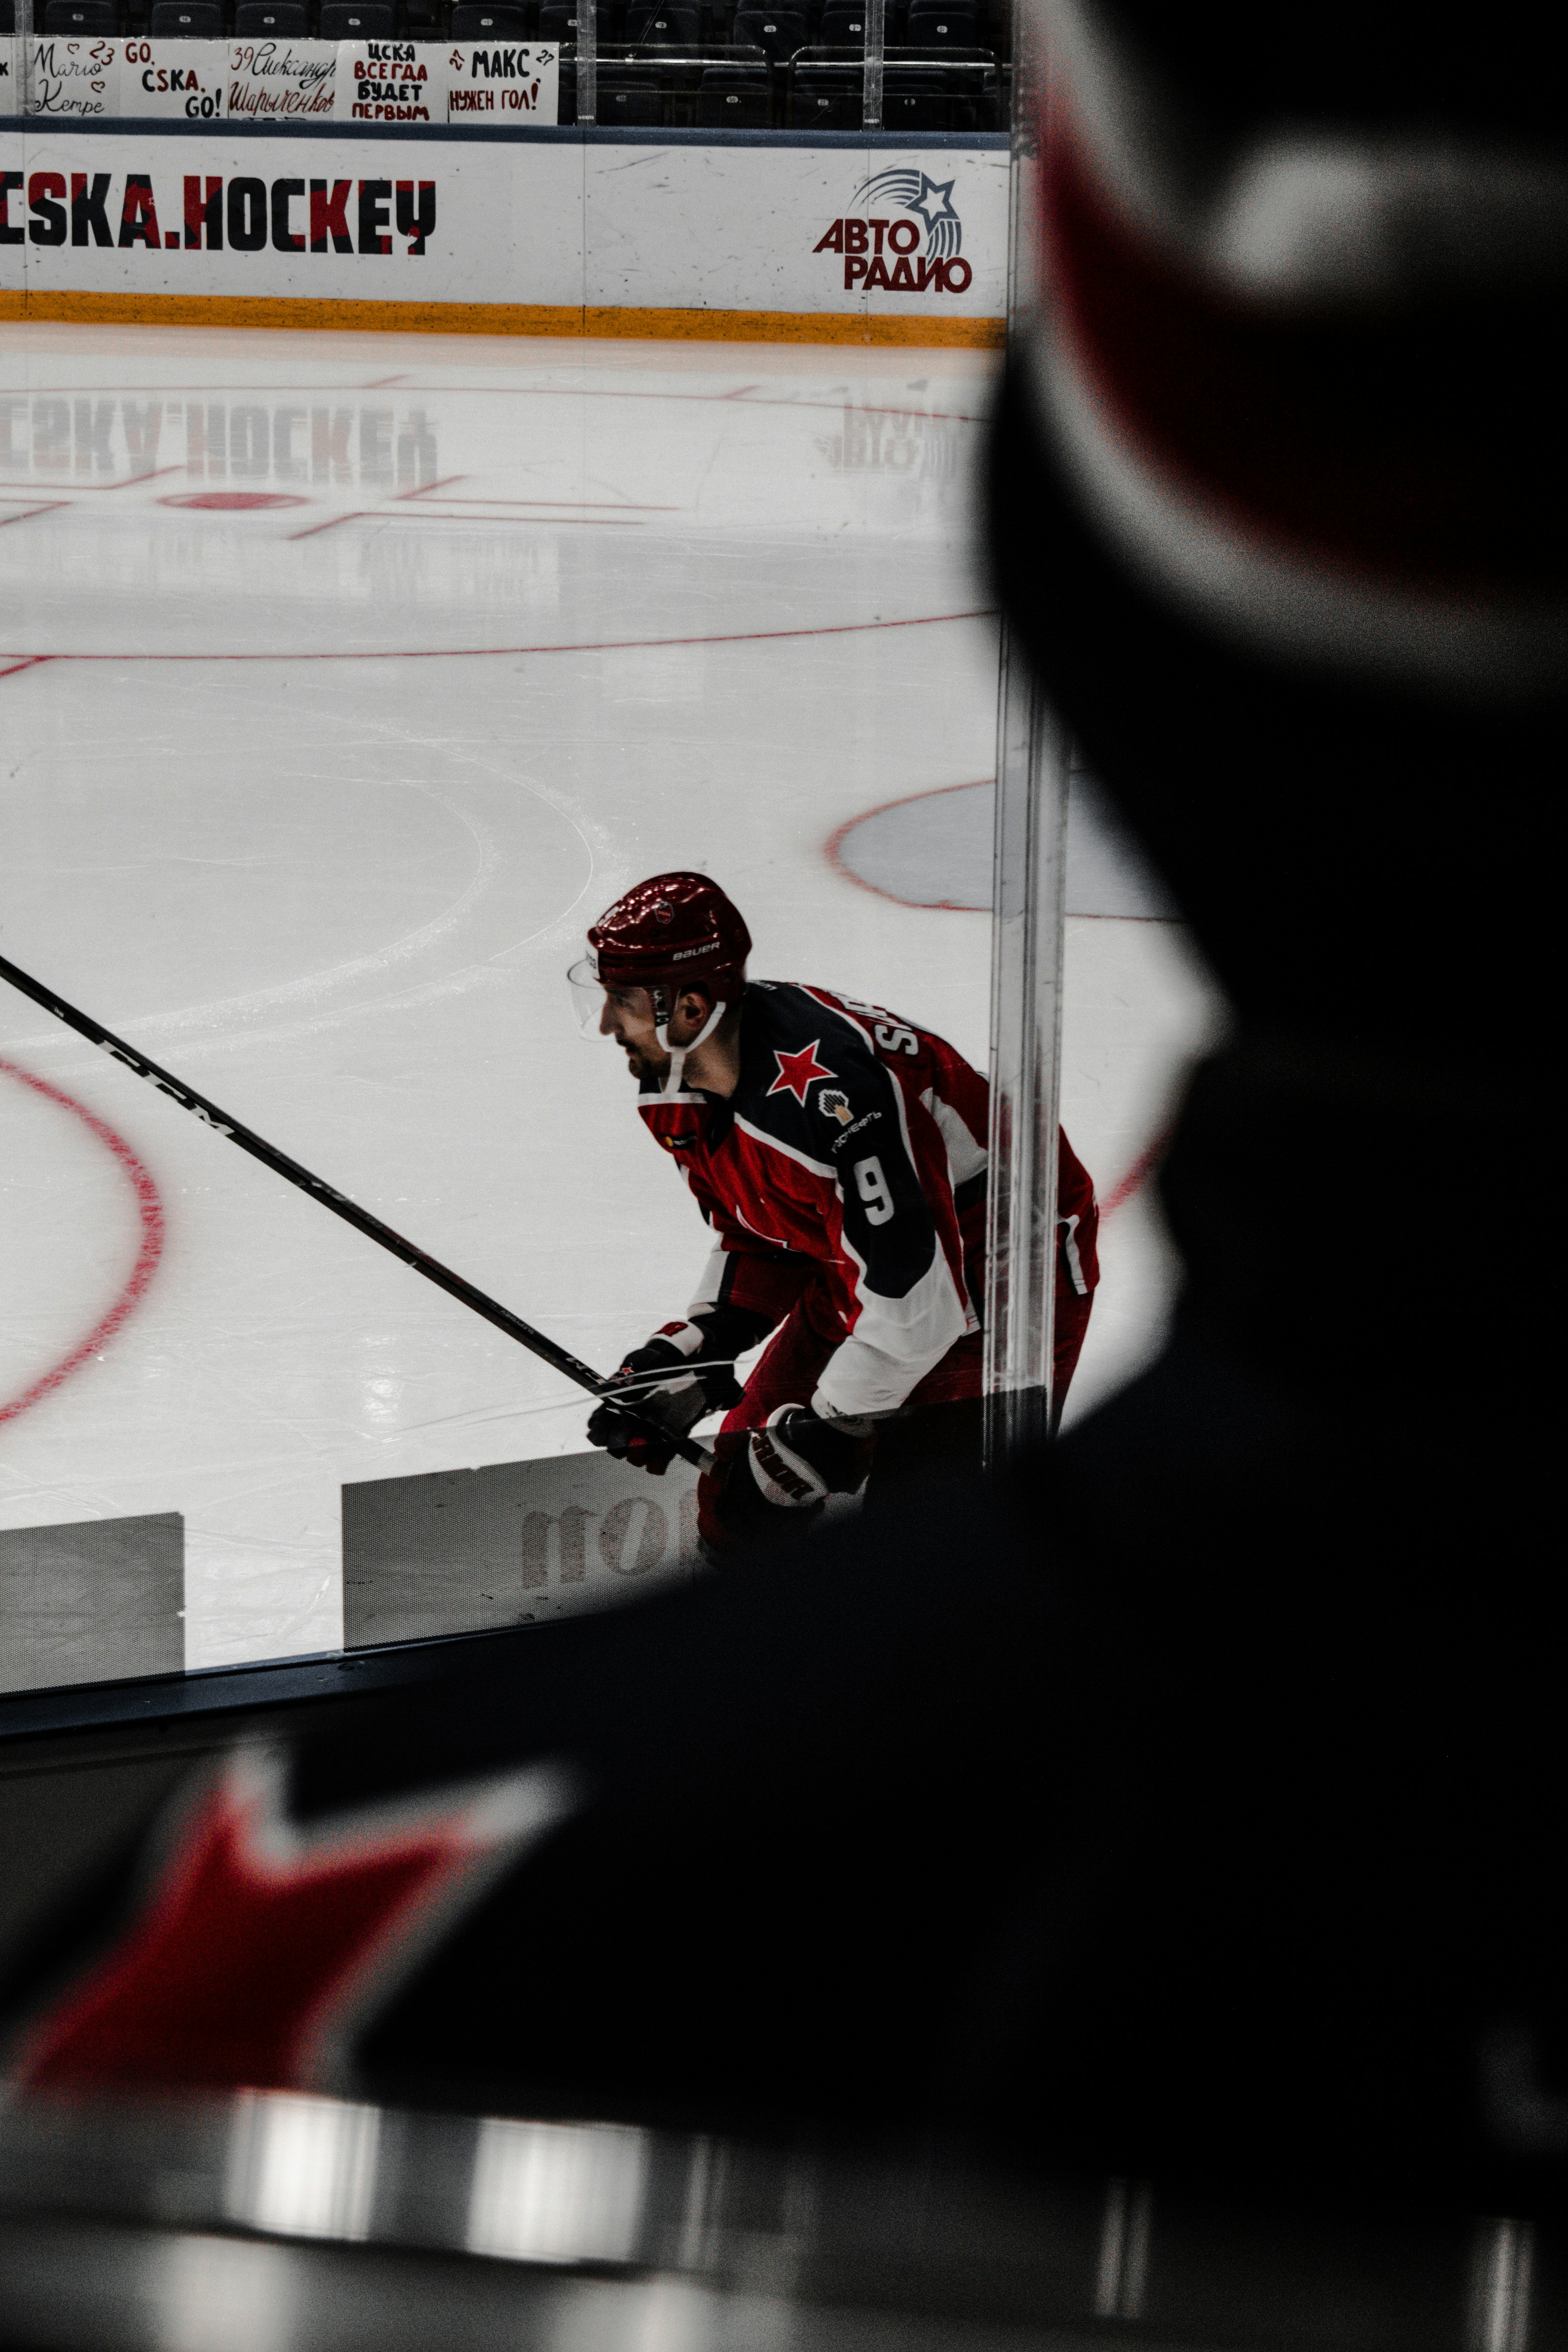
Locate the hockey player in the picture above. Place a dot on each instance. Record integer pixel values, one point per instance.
(839, 1154)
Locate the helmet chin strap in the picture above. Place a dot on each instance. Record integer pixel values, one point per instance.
(678, 1053)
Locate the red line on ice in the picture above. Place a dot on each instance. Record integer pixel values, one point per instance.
(519, 391)
(841, 865)
(150, 1210)
(476, 653)
(384, 514)
(1138, 1175)
(28, 514)
(1149, 1159)
(126, 482)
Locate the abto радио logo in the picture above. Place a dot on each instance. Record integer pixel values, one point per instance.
(907, 239)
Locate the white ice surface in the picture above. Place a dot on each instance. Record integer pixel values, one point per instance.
(314, 800)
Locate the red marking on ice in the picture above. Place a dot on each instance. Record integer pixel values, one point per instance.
(612, 506)
(382, 514)
(126, 482)
(233, 501)
(835, 841)
(1138, 1175)
(150, 1210)
(1148, 1160)
(28, 661)
(544, 392)
(25, 514)
(490, 653)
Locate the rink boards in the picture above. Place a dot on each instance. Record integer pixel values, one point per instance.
(482, 229)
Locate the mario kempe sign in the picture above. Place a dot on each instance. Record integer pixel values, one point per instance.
(906, 240)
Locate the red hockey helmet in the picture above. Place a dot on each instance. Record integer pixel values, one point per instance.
(668, 932)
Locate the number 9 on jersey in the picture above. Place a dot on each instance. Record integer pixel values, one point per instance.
(872, 1186)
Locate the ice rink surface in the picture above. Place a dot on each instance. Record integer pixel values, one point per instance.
(345, 680)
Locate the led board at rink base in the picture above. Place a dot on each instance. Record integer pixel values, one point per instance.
(548, 231)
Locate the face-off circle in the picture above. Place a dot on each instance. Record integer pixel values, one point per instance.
(150, 1209)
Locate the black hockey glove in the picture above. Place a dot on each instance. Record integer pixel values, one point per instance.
(798, 1459)
(667, 1387)
(777, 1479)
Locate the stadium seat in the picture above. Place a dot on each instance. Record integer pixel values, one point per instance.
(473, 23)
(187, 20)
(424, 20)
(630, 94)
(933, 25)
(911, 100)
(674, 27)
(558, 20)
(945, 30)
(285, 20)
(8, 16)
(81, 17)
(826, 98)
(733, 98)
(356, 20)
(776, 32)
(842, 26)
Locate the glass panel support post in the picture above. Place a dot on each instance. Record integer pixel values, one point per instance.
(587, 60)
(1028, 924)
(876, 43)
(1027, 900)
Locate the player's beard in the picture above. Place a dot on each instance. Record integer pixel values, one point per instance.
(645, 1062)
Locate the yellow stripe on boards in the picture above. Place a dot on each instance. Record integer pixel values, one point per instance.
(502, 319)
(796, 327)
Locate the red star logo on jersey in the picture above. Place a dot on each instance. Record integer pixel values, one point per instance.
(260, 1946)
(799, 1071)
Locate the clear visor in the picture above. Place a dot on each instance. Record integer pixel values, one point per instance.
(586, 995)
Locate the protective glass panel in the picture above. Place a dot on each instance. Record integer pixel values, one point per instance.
(1099, 1007)
(351, 677)
(904, 68)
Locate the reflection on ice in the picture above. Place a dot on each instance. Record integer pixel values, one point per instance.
(250, 438)
(223, 2294)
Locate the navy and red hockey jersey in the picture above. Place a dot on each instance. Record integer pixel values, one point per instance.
(857, 1141)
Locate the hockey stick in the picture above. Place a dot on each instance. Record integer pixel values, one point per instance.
(341, 1206)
